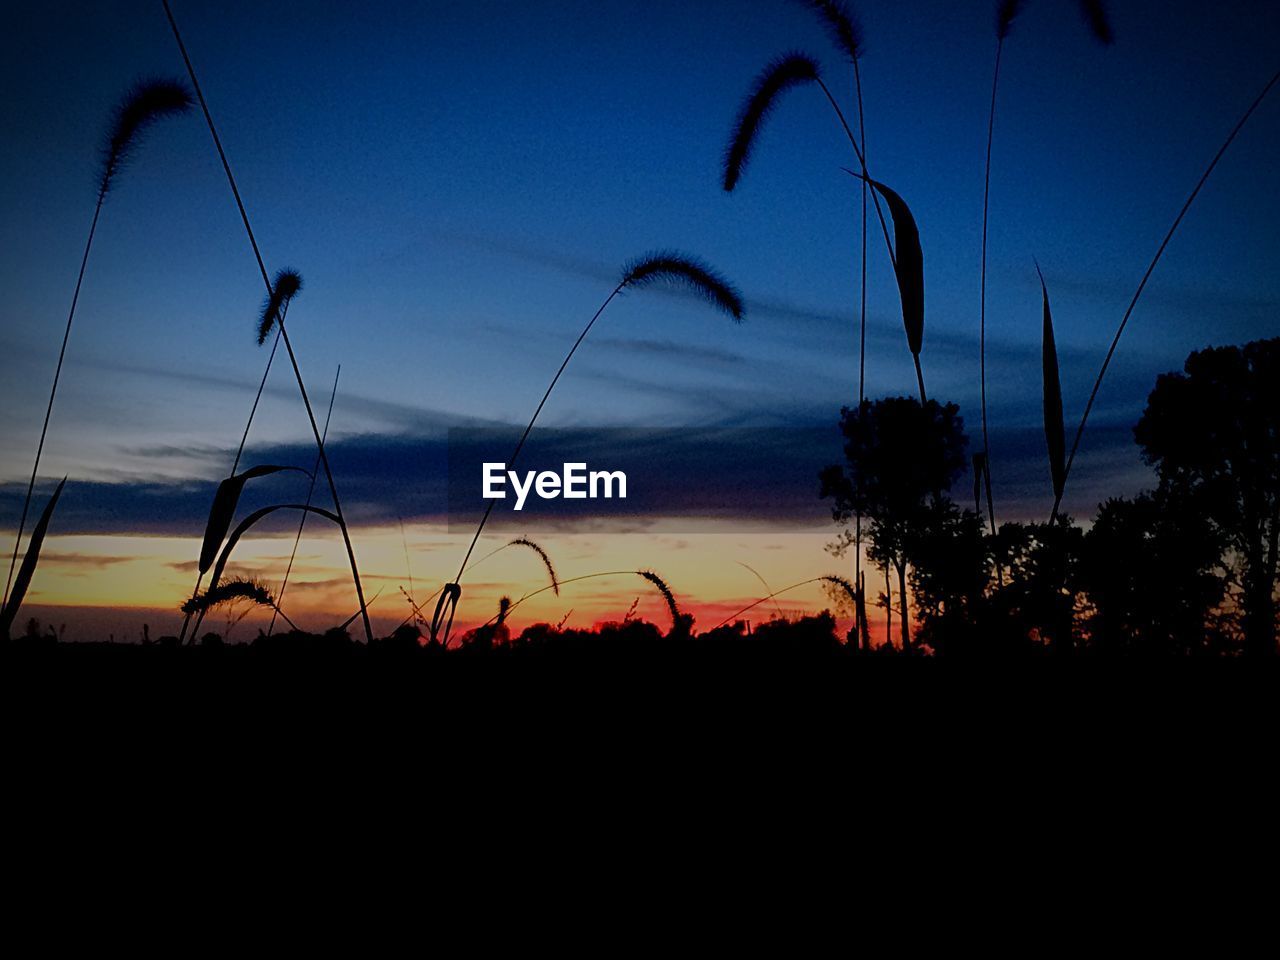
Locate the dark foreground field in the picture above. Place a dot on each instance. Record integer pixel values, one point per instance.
(530, 717)
(773, 663)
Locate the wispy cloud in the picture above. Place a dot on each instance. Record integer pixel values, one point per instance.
(757, 476)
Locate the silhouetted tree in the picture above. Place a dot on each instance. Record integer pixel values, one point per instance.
(949, 576)
(1213, 435)
(1149, 568)
(900, 457)
(1036, 602)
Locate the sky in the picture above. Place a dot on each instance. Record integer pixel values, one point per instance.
(460, 184)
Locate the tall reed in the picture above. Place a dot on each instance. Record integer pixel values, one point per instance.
(288, 279)
(1142, 285)
(234, 538)
(287, 287)
(795, 70)
(665, 267)
(846, 34)
(1007, 11)
(279, 320)
(146, 102)
(220, 528)
(311, 489)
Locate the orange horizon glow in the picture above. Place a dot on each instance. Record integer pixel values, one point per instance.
(128, 579)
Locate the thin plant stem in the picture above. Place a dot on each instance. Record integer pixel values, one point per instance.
(266, 280)
(765, 583)
(776, 593)
(53, 392)
(1097, 384)
(585, 576)
(328, 473)
(408, 564)
(519, 446)
(884, 226)
(311, 489)
(982, 286)
(859, 609)
(865, 176)
(416, 607)
(244, 437)
(258, 397)
(217, 142)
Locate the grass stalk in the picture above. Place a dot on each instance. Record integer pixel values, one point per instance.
(667, 267)
(266, 280)
(333, 487)
(53, 392)
(145, 103)
(244, 437)
(1177, 221)
(982, 281)
(302, 522)
(827, 578)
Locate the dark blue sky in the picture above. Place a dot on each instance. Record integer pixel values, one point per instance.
(459, 182)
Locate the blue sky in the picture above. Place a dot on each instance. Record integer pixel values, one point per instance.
(459, 183)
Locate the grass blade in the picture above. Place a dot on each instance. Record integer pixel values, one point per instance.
(1142, 285)
(223, 510)
(908, 268)
(247, 523)
(29, 561)
(1054, 433)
